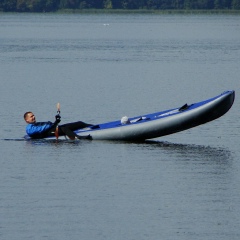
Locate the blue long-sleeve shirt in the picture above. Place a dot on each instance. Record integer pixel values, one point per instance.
(38, 129)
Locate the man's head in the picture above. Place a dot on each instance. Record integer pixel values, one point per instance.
(29, 117)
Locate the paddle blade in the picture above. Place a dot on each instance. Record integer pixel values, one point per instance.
(58, 107)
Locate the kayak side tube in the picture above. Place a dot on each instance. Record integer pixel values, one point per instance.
(164, 123)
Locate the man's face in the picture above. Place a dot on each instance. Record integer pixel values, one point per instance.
(30, 118)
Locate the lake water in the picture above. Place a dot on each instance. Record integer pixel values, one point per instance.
(100, 68)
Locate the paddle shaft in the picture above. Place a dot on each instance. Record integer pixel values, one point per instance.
(71, 135)
(68, 132)
(58, 112)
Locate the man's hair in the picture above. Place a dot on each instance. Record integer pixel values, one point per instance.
(25, 114)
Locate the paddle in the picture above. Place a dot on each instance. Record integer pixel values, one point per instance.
(65, 130)
(58, 108)
(68, 132)
(58, 113)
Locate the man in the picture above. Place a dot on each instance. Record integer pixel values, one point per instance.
(45, 129)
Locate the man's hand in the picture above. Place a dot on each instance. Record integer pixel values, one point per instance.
(58, 118)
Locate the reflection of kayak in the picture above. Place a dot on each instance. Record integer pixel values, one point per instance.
(162, 123)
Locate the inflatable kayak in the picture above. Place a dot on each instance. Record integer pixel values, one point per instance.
(162, 123)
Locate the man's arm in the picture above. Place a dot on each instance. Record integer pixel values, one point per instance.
(37, 130)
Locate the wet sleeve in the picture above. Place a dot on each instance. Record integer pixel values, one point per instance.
(37, 129)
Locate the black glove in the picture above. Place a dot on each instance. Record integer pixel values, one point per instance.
(58, 118)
